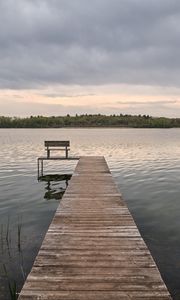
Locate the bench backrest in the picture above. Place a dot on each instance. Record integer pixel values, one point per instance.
(57, 143)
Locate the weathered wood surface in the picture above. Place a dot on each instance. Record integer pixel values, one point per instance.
(59, 146)
(58, 158)
(93, 249)
(56, 143)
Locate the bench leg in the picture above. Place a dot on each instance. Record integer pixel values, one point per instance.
(66, 153)
(48, 153)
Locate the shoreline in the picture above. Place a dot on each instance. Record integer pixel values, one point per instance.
(90, 127)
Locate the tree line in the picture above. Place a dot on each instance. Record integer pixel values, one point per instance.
(88, 120)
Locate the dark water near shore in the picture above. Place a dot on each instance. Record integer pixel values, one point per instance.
(146, 167)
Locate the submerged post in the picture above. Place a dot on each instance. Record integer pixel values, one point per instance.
(38, 167)
(41, 167)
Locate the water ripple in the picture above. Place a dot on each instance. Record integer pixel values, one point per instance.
(146, 167)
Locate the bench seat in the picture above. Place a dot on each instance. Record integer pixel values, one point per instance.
(57, 146)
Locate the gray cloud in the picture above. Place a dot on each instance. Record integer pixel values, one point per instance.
(149, 103)
(59, 95)
(46, 42)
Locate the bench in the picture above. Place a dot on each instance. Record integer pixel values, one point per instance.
(58, 146)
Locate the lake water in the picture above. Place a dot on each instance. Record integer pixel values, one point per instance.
(145, 164)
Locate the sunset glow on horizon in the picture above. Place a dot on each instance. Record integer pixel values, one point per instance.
(105, 100)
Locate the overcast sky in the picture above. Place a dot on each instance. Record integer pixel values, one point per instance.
(81, 56)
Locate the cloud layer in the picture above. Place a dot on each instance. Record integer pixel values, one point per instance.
(95, 42)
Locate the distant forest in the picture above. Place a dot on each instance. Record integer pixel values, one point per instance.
(98, 120)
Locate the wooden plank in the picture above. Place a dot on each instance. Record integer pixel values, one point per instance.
(93, 249)
(58, 158)
(57, 143)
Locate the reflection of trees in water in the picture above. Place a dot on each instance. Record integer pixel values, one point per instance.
(56, 185)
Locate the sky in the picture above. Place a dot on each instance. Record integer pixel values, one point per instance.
(63, 57)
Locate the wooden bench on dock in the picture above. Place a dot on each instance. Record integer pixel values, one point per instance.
(57, 146)
(54, 146)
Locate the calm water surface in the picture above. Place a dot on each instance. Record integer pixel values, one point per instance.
(145, 164)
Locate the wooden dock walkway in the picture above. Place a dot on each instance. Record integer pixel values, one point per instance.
(93, 249)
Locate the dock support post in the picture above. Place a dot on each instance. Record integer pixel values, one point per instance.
(41, 167)
(38, 167)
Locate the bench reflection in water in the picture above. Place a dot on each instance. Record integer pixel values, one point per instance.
(56, 185)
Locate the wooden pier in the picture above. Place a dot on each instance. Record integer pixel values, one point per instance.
(93, 249)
